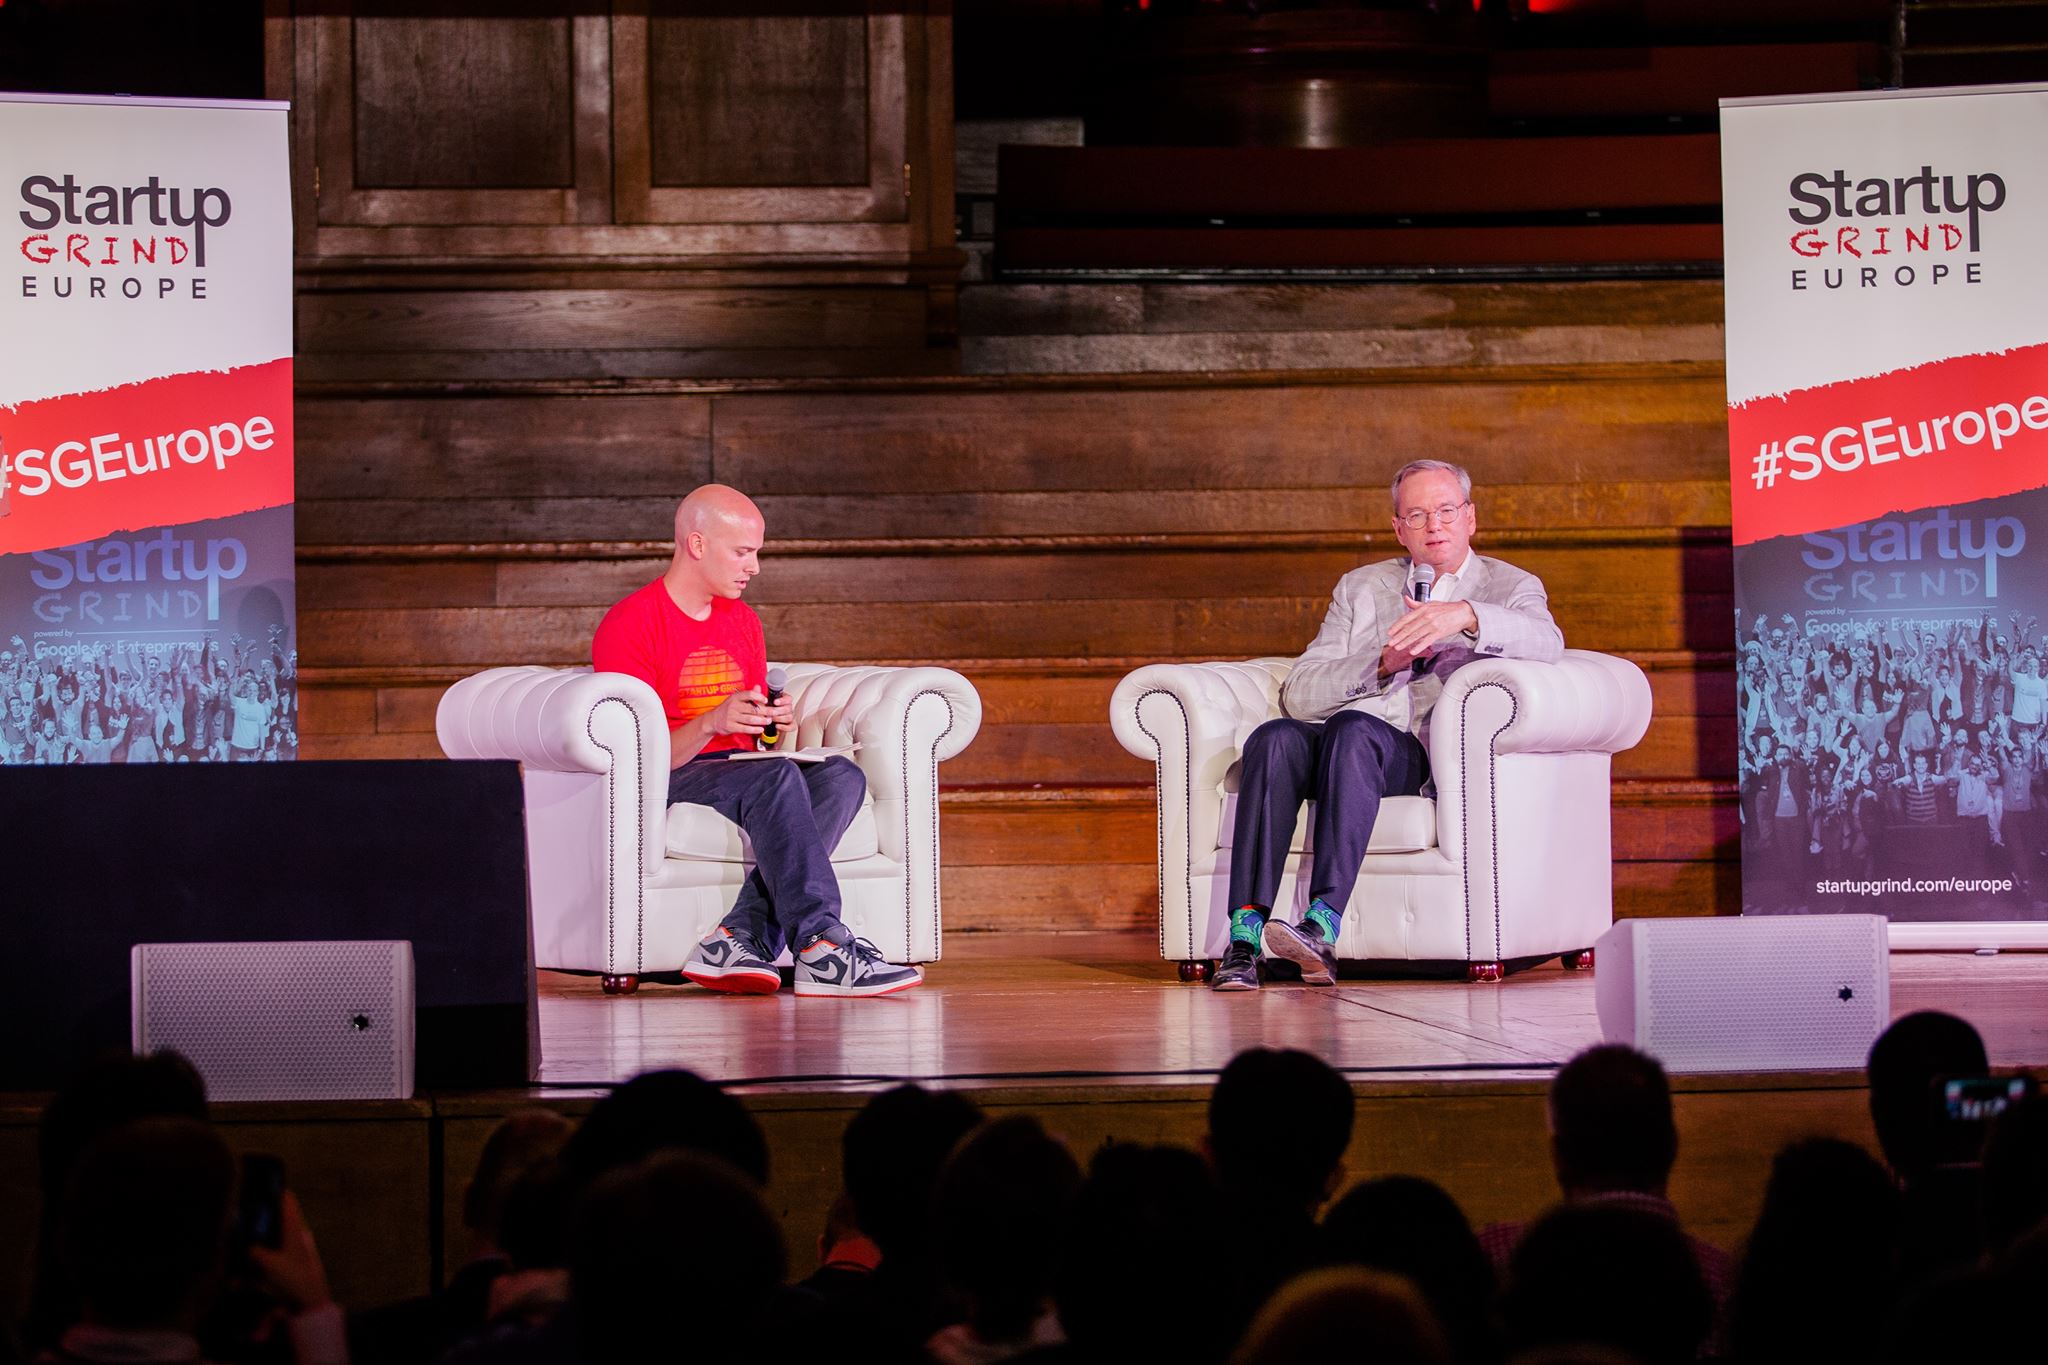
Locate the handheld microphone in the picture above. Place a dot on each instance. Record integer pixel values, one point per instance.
(778, 682)
(1420, 578)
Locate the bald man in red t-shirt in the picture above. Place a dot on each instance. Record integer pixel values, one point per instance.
(689, 637)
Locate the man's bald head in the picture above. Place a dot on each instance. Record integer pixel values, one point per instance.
(718, 539)
(713, 503)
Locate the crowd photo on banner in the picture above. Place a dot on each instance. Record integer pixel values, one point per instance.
(130, 701)
(1897, 747)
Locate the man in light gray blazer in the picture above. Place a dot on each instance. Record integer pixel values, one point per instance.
(1358, 703)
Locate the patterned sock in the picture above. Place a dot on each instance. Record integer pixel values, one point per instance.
(1245, 923)
(1324, 918)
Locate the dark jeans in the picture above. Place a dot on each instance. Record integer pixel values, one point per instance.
(1345, 765)
(794, 813)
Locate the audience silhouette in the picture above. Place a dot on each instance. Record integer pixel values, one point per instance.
(645, 1232)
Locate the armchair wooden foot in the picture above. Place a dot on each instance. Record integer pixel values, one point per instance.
(1581, 961)
(620, 985)
(1197, 969)
(1477, 973)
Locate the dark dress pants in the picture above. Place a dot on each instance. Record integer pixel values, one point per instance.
(794, 814)
(1345, 765)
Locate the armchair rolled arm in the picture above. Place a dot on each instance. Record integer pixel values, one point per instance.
(606, 728)
(1189, 720)
(1205, 709)
(1496, 713)
(1584, 703)
(904, 719)
(552, 719)
(907, 721)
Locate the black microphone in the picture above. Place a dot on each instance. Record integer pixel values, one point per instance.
(778, 681)
(1420, 578)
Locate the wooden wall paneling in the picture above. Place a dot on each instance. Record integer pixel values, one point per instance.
(1495, 178)
(1661, 890)
(1165, 308)
(325, 109)
(288, 75)
(400, 521)
(599, 574)
(436, 207)
(466, 102)
(930, 105)
(995, 576)
(591, 53)
(1373, 348)
(1169, 628)
(1014, 328)
(435, 455)
(892, 137)
(796, 251)
(774, 99)
(465, 367)
(1172, 511)
(339, 711)
(599, 516)
(1227, 436)
(640, 198)
(371, 322)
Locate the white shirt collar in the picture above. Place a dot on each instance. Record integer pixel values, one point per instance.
(1458, 573)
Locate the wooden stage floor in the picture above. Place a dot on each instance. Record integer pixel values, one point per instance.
(1080, 1009)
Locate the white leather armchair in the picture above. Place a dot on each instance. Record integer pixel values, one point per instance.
(624, 884)
(1509, 863)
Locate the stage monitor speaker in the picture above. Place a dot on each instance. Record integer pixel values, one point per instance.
(1762, 993)
(103, 856)
(280, 1021)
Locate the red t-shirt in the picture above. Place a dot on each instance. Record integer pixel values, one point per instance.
(691, 665)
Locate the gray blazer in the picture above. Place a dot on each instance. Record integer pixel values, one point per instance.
(1340, 670)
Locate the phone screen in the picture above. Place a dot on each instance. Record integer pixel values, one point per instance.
(261, 1213)
(1980, 1099)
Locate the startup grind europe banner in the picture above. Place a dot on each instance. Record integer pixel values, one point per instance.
(1887, 297)
(146, 605)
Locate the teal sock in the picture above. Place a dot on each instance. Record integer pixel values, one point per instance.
(1324, 918)
(1245, 923)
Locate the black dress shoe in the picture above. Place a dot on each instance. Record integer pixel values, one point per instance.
(1304, 945)
(1238, 970)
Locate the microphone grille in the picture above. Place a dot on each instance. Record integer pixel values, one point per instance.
(778, 679)
(1424, 574)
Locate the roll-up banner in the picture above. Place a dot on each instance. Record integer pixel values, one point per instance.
(1887, 297)
(146, 604)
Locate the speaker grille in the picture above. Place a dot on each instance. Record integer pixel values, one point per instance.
(278, 1021)
(1797, 993)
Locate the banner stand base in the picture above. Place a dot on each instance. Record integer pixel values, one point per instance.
(1963, 936)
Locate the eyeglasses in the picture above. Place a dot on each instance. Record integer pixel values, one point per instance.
(1415, 521)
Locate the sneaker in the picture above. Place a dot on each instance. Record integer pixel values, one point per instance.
(1304, 945)
(728, 962)
(1239, 969)
(855, 967)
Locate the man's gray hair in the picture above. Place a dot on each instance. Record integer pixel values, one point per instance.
(1430, 466)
